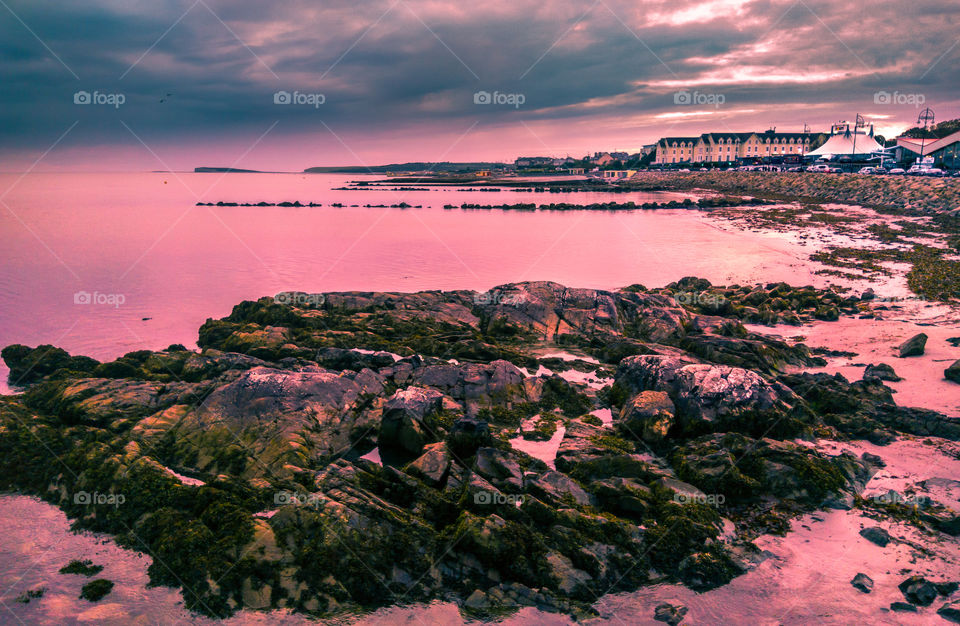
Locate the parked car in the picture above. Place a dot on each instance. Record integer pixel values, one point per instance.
(932, 171)
(868, 170)
(819, 167)
(896, 171)
(796, 168)
(834, 170)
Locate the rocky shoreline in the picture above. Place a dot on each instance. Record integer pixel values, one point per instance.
(906, 193)
(334, 453)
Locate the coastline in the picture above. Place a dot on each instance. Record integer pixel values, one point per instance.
(884, 328)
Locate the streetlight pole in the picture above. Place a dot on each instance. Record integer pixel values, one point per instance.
(858, 122)
(926, 118)
(803, 146)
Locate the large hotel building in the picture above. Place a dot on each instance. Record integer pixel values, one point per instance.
(729, 147)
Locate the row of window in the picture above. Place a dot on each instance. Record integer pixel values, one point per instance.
(684, 144)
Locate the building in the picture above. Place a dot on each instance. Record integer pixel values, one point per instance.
(675, 149)
(611, 175)
(945, 150)
(730, 147)
(602, 158)
(522, 162)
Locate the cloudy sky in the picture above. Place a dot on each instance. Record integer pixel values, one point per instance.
(132, 84)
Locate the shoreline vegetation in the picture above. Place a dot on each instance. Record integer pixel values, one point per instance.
(244, 469)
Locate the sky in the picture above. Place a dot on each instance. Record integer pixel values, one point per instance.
(153, 85)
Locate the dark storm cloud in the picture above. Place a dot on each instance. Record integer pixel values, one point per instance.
(403, 63)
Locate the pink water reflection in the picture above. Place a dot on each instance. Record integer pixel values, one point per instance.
(140, 236)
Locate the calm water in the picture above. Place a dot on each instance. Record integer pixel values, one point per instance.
(141, 245)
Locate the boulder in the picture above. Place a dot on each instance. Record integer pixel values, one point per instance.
(913, 346)
(284, 417)
(473, 384)
(902, 607)
(862, 582)
(744, 469)
(684, 492)
(881, 371)
(950, 611)
(467, 434)
(716, 397)
(28, 365)
(669, 613)
(402, 425)
(432, 465)
(570, 580)
(918, 590)
(499, 468)
(555, 487)
(478, 600)
(877, 535)
(647, 416)
(952, 373)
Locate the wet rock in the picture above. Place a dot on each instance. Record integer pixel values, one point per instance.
(402, 425)
(702, 571)
(946, 588)
(432, 465)
(913, 346)
(342, 359)
(903, 607)
(557, 488)
(669, 613)
(876, 535)
(865, 409)
(952, 373)
(647, 416)
(288, 417)
(28, 365)
(881, 371)
(684, 492)
(475, 385)
(918, 590)
(743, 469)
(623, 496)
(580, 444)
(477, 600)
(499, 468)
(716, 397)
(862, 582)
(950, 611)
(873, 459)
(467, 434)
(570, 580)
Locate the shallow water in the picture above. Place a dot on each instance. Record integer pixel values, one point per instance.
(139, 245)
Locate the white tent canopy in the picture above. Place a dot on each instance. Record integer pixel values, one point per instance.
(842, 144)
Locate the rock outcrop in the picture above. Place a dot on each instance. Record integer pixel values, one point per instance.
(246, 469)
